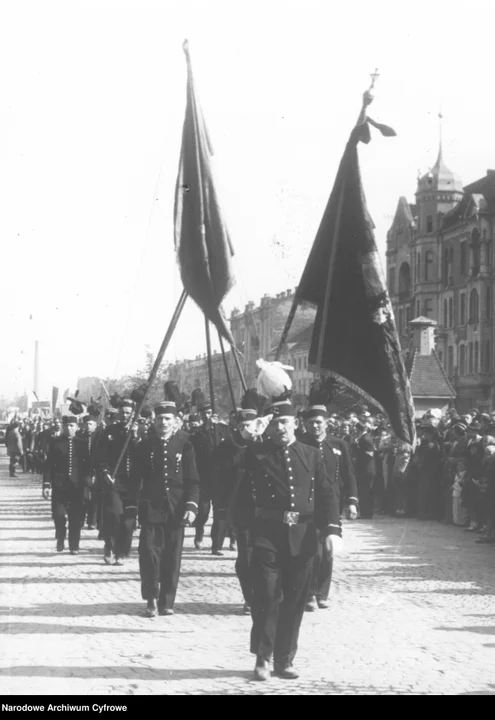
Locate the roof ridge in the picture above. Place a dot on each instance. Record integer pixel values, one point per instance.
(434, 352)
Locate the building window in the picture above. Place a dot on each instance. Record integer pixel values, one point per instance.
(428, 264)
(428, 307)
(463, 309)
(488, 296)
(463, 265)
(476, 356)
(445, 267)
(445, 317)
(474, 307)
(391, 279)
(470, 357)
(450, 360)
(429, 224)
(418, 308)
(488, 366)
(408, 315)
(418, 267)
(462, 359)
(451, 312)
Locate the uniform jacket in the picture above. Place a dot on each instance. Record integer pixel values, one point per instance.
(14, 442)
(234, 496)
(294, 479)
(339, 467)
(109, 449)
(67, 461)
(365, 455)
(165, 470)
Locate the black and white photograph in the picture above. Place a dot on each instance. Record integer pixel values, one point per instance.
(247, 374)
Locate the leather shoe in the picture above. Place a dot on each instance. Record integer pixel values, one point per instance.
(165, 611)
(286, 671)
(216, 552)
(323, 604)
(151, 610)
(311, 605)
(60, 545)
(119, 561)
(198, 544)
(261, 669)
(74, 552)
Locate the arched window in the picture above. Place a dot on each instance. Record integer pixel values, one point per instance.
(474, 307)
(451, 313)
(428, 265)
(462, 359)
(470, 357)
(462, 320)
(476, 357)
(445, 317)
(405, 282)
(418, 267)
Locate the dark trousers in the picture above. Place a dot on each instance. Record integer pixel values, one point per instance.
(91, 507)
(322, 574)
(365, 492)
(119, 522)
(243, 562)
(202, 519)
(160, 555)
(281, 584)
(68, 505)
(14, 459)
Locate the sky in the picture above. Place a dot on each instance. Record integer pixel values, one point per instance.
(92, 101)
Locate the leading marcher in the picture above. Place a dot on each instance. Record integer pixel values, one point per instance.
(165, 469)
(292, 499)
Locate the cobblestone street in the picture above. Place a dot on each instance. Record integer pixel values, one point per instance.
(413, 611)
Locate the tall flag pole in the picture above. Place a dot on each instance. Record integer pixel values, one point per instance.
(355, 339)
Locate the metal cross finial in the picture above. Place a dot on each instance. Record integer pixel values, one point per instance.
(374, 76)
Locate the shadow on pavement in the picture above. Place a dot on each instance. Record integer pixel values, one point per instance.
(480, 630)
(116, 608)
(124, 672)
(56, 580)
(33, 628)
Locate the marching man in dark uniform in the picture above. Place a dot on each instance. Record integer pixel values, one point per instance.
(92, 436)
(119, 494)
(291, 499)
(66, 473)
(338, 464)
(365, 469)
(166, 471)
(235, 509)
